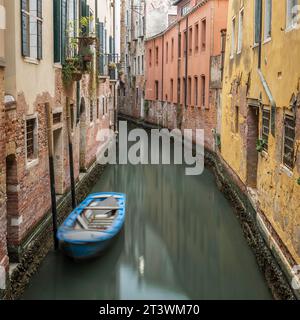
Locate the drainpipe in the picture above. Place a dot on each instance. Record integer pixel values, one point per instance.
(262, 78)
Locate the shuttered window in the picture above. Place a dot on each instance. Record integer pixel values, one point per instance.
(31, 28)
(257, 26)
(64, 21)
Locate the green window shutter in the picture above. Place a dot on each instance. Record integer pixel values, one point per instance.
(101, 49)
(39, 30)
(63, 30)
(25, 25)
(57, 30)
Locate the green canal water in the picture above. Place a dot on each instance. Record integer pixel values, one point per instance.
(181, 240)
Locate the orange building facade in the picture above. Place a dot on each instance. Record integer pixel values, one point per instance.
(184, 69)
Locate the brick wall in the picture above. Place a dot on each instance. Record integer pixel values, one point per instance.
(3, 246)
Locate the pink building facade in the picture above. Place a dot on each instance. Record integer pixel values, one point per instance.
(184, 69)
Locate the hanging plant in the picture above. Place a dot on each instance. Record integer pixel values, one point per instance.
(71, 71)
(86, 53)
(260, 145)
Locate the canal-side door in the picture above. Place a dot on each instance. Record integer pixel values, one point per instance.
(252, 137)
(82, 149)
(12, 203)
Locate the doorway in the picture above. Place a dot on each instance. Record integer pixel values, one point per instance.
(58, 160)
(12, 203)
(252, 137)
(82, 147)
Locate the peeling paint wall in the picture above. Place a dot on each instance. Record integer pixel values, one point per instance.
(276, 192)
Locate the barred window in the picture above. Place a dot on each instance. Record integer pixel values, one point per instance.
(57, 118)
(265, 127)
(31, 138)
(289, 141)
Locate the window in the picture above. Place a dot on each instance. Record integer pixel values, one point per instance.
(156, 90)
(190, 41)
(31, 24)
(241, 26)
(179, 45)
(232, 37)
(91, 111)
(172, 49)
(184, 43)
(268, 19)
(167, 52)
(292, 13)
(139, 65)
(142, 64)
(150, 57)
(189, 91)
(236, 119)
(203, 35)
(65, 12)
(156, 55)
(196, 91)
(171, 90)
(196, 37)
(265, 127)
(185, 9)
(183, 89)
(203, 88)
(31, 139)
(178, 89)
(289, 141)
(57, 117)
(98, 108)
(257, 21)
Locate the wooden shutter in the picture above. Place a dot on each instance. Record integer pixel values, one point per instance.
(25, 29)
(57, 30)
(39, 30)
(101, 50)
(63, 29)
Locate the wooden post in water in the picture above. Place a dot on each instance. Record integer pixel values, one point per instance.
(51, 171)
(71, 161)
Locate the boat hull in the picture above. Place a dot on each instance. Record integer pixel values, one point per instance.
(80, 249)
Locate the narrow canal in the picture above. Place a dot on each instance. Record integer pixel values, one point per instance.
(181, 241)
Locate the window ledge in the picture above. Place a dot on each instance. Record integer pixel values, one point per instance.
(290, 28)
(57, 65)
(91, 124)
(286, 170)
(31, 60)
(32, 163)
(267, 40)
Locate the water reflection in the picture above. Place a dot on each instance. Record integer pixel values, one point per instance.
(181, 241)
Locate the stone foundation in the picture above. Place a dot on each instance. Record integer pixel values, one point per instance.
(36, 246)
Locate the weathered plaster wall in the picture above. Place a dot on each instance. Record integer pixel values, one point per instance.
(277, 191)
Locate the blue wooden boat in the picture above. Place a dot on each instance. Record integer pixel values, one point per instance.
(92, 226)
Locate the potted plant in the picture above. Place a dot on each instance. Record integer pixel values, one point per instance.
(71, 70)
(260, 145)
(86, 53)
(112, 66)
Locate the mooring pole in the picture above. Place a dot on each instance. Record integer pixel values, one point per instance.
(71, 161)
(52, 176)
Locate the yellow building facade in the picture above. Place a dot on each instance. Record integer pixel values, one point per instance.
(260, 137)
